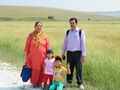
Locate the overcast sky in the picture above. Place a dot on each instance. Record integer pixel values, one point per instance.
(77, 5)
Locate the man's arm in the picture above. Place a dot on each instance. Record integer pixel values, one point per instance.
(64, 47)
(83, 45)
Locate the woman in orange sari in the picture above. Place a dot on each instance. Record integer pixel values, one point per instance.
(37, 44)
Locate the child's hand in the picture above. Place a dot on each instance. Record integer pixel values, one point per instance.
(68, 65)
(68, 68)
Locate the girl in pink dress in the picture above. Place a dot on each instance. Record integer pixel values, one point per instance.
(48, 68)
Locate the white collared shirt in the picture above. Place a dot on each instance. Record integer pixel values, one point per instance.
(73, 42)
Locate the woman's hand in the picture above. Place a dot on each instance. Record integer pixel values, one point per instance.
(26, 54)
(44, 65)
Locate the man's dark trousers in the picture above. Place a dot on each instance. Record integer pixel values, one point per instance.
(74, 58)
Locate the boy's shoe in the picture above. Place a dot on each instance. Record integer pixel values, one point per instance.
(69, 85)
(81, 87)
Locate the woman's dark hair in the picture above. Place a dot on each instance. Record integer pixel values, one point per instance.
(37, 23)
(76, 21)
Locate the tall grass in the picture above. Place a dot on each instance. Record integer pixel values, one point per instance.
(102, 70)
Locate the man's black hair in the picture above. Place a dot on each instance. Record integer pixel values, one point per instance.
(76, 21)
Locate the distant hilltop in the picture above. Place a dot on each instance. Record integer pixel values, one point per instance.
(45, 13)
(110, 13)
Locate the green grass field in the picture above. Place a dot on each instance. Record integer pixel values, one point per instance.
(102, 71)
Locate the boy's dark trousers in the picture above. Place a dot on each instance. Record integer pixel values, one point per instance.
(74, 58)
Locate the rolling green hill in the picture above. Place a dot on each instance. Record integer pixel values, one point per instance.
(109, 13)
(33, 13)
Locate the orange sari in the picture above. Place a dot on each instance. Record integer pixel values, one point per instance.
(36, 46)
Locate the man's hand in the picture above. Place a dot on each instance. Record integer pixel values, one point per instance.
(63, 57)
(84, 59)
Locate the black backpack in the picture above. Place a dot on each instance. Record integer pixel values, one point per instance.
(79, 32)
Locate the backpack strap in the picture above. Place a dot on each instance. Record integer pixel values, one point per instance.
(80, 31)
(67, 32)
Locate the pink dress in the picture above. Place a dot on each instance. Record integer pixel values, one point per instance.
(48, 71)
(35, 58)
(49, 65)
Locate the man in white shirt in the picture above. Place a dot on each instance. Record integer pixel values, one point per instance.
(74, 44)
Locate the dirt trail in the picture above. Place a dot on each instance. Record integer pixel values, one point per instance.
(10, 78)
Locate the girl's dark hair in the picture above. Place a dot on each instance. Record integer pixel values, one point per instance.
(76, 21)
(37, 23)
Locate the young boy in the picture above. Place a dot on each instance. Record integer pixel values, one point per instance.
(59, 70)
